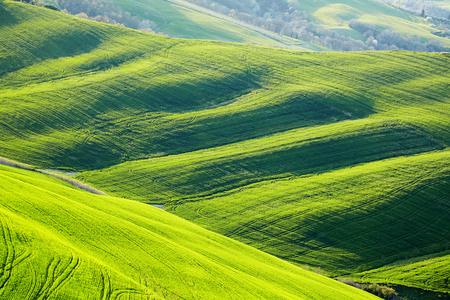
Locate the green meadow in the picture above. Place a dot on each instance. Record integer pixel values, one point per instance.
(62, 243)
(336, 161)
(422, 272)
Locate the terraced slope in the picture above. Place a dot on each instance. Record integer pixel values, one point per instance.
(61, 243)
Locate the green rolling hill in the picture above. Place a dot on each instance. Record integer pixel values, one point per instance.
(61, 243)
(331, 160)
(421, 272)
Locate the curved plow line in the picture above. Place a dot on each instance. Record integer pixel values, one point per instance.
(5, 274)
(317, 249)
(56, 279)
(117, 294)
(390, 194)
(31, 294)
(106, 291)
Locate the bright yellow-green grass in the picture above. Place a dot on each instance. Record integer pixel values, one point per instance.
(60, 243)
(344, 221)
(423, 272)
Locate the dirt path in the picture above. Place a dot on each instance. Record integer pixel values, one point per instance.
(73, 182)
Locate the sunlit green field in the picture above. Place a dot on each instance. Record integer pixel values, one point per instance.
(423, 272)
(332, 160)
(186, 20)
(61, 243)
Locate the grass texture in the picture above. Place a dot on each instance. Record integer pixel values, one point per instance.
(80, 96)
(422, 272)
(61, 243)
(334, 160)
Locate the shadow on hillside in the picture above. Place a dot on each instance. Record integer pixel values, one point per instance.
(411, 223)
(26, 48)
(6, 18)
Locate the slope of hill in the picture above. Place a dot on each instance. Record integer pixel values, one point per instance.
(61, 243)
(343, 221)
(325, 159)
(111, 99)
(422, 272)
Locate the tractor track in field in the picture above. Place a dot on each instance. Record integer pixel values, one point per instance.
(10, 253)
(57, 275)
(106, 291)
(250, 225)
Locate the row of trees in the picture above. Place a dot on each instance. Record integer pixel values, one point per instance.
(279, 16)
(105, 11)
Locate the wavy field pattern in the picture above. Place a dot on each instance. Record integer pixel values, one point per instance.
(331, 160)
(61, 243)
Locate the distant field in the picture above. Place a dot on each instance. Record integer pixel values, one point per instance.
(442, 3)
(108, 100)
(60, 243)
(336, 13)
(186, 20)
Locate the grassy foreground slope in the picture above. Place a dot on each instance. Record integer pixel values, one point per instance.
(61, 243)
(344, 221)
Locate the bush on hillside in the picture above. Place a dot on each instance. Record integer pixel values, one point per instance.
(381, 291)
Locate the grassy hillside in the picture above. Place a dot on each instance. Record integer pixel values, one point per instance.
(336, 13)
(61, 243)
(422, 272)
(85, 108)
(324, 159)
(343, 221)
